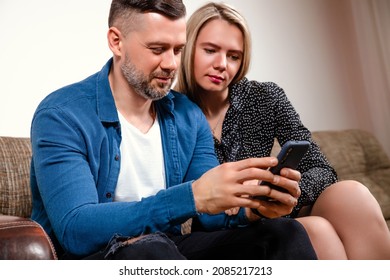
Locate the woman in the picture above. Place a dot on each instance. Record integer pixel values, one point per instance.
(246, 116)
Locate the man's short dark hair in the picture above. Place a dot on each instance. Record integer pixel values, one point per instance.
(121, 9)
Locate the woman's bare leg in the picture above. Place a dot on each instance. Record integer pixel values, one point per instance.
(357, 218)
(324, 238)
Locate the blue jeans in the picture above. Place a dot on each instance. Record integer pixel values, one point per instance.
(155, 246)
(269, 239)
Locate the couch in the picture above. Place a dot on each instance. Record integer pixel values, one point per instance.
(20, 237)
(355, 154)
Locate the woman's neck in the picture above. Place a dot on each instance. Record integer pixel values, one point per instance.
(213, 103)
(214, 107)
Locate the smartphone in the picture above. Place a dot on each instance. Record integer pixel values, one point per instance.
(289, 156)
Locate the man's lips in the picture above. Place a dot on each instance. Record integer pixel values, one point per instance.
(164, 79)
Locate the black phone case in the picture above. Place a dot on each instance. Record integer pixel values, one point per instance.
(289, 156)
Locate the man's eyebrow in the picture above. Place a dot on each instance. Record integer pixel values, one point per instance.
(155, 43)
(162, 44)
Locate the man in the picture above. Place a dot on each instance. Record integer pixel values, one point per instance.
(119, 159)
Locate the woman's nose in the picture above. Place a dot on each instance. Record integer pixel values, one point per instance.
(220, 62)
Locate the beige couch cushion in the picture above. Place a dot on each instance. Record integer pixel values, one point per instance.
(357, 155)
(15, 193)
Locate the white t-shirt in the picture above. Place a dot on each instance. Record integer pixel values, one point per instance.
(141, 172)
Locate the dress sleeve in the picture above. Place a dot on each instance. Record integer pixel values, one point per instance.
(317, 173)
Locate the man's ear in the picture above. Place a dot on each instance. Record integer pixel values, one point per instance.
(114, 37)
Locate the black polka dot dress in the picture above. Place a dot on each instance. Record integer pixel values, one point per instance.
(259, 113)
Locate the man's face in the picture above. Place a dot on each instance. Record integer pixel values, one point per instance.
(152, 54)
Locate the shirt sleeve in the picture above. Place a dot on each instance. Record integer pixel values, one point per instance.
(202, 160)
(73, 173)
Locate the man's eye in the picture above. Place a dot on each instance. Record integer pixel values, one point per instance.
(157, 50)
(178, 50)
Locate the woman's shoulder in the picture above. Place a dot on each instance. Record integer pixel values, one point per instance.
(255, 89)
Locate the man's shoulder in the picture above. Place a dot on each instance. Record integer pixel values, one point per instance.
(181, 106)
(182, 99)
(87, 88)
(179, 96)
(70, 94)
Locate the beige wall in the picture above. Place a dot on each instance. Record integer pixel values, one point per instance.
(308, 47)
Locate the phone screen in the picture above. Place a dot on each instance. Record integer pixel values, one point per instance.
(289, 156)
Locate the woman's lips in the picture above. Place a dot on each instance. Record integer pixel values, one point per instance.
(216, 79)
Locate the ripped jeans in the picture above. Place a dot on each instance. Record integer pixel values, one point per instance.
(269, 239)
(156, 246)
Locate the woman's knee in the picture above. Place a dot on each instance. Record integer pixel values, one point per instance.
(343, 194)
(346, 188)
(348, 203)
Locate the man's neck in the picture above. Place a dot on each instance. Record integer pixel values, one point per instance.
(134, 108)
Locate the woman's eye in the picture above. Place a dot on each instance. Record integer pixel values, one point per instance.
(235, 57)
(209, 50)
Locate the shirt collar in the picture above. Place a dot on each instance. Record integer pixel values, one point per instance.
(106, 108)
(237, 94)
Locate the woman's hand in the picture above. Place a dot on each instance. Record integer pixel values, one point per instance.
(280, 203)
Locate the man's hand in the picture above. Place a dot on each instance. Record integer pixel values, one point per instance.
(224, 187)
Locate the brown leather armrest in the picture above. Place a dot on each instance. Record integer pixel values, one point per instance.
(24, 239)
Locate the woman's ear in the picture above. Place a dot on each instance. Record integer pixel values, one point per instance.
(114, 37)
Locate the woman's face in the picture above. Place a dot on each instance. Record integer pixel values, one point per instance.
(218, 55)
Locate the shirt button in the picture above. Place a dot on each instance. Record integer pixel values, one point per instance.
(108, 195)
(117, 157)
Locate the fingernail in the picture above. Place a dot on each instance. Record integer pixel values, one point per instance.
(294, 201)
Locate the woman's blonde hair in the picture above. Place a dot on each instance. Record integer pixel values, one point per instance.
(186, 81)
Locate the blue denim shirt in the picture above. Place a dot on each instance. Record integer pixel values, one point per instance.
(75, 138)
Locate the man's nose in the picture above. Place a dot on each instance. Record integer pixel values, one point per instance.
(170, 61)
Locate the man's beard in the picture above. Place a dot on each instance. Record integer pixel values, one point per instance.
(142, 83)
